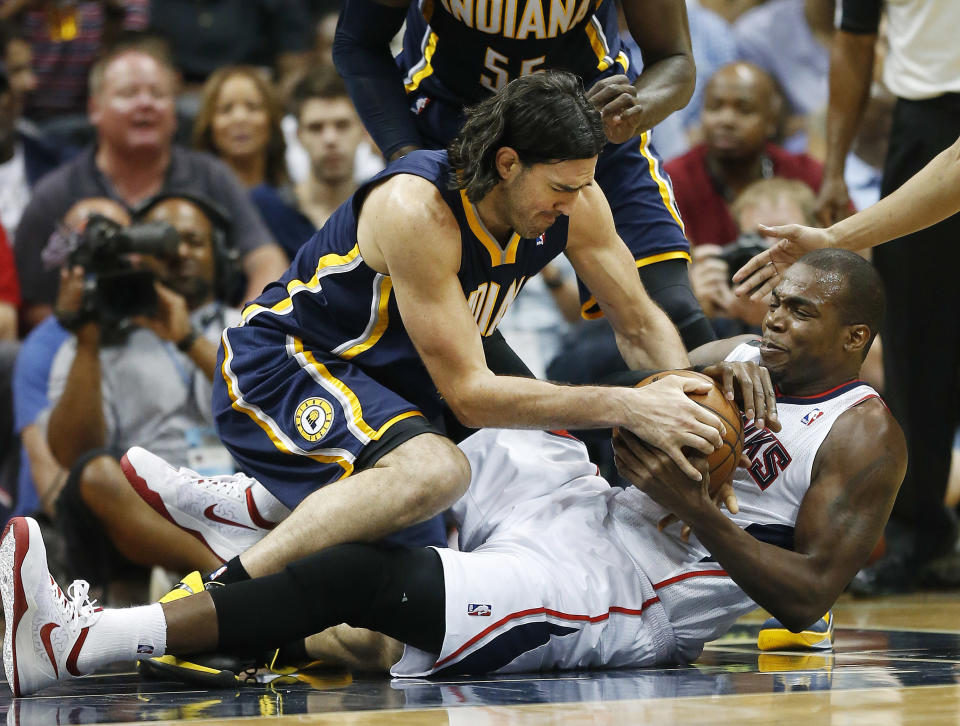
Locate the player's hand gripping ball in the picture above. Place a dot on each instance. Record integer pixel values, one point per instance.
(724, 460)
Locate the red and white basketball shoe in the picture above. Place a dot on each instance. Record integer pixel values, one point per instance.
(45, 627)
(221, 511)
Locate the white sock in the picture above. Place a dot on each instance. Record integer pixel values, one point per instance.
(269, 507)
(124, 634)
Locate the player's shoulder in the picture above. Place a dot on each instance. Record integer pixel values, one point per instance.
(406, 198)
(866, 431)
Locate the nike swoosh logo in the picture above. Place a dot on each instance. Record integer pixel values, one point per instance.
(48, 645)
(254, 513)
(212, 516)
(75, 653)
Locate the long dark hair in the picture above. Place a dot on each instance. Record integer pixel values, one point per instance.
(544, 117)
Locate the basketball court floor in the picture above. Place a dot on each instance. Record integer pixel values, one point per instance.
(897, 661)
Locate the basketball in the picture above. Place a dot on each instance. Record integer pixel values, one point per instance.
(724, 460)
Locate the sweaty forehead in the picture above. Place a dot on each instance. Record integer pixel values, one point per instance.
(812, 283)
(572, 173)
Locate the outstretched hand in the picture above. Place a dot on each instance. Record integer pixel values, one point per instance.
(762, 273)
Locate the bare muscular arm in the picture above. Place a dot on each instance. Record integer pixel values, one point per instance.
(406, 229)
(855, 479)
(646, 337)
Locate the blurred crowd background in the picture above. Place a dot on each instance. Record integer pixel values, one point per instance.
(226, 122)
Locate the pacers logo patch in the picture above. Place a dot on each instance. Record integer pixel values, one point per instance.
(314, 416)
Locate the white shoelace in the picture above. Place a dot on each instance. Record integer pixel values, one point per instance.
(77, 606)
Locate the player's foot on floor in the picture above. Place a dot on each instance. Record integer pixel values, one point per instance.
(207, 671)
(223, 512)
(45, 627)
(819, 636)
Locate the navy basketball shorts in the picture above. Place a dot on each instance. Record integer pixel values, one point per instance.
(297, 419)
(630, 174)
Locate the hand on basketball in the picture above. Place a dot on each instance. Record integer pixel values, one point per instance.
(656, 474)
(762, 273)
(663, 416)
(619, 104)
(723, 496)
(751, 381)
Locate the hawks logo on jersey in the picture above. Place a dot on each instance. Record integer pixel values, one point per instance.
(767, 453)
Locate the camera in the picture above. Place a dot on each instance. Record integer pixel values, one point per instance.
(739, 252)
(115, 290)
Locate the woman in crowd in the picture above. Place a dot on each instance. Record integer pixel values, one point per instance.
(239, 121)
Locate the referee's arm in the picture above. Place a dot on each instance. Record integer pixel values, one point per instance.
(851, 73)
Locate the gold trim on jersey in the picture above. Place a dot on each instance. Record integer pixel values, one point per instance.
(274, 432)
(424, 66)
(376, 326)
(326, 265)
(498, 255)
(592, 314)
(666, 191)
(352, 409)
(598, 41)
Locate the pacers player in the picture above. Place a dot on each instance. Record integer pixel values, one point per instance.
(557, 568)
(458, 52)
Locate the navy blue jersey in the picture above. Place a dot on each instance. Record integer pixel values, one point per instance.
(330, 300)
(464, 50)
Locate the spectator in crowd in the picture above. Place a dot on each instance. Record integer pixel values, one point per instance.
(739, 116)
(790, 40)
(132, 109)
(239, 121)
(17, 56)
(151, 387)
(767, 201)
(331, 133)
(711, 38)
(24, 157)
(66, 40)
(922, 69)
(41, 477)
(274, 34)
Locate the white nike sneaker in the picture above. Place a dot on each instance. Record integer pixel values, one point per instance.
(220, 511)
(45, 628)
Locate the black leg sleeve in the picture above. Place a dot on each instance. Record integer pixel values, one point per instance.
(396, 591)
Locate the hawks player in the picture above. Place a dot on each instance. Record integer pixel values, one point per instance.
(457, 52)
(558, 569)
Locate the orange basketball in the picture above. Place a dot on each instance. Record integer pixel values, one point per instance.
(725, 459)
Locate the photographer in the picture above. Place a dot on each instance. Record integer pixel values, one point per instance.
(713, 265)
(144, 381)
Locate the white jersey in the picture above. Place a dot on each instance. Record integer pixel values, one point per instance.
(558, 569)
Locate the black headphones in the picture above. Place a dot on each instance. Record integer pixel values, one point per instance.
(228, 281)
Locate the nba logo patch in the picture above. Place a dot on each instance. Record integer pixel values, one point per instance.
(811, 416)
(143, 649)
(475, 608)
(541, 239)
(420, 104)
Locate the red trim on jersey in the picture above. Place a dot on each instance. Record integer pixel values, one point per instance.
(564, 433)
(688, 575)
(824, 393)
(551, 613)
(868, 396)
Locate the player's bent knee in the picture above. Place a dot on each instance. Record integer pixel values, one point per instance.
(435, 466)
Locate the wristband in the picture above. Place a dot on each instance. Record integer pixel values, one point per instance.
(186, 343)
